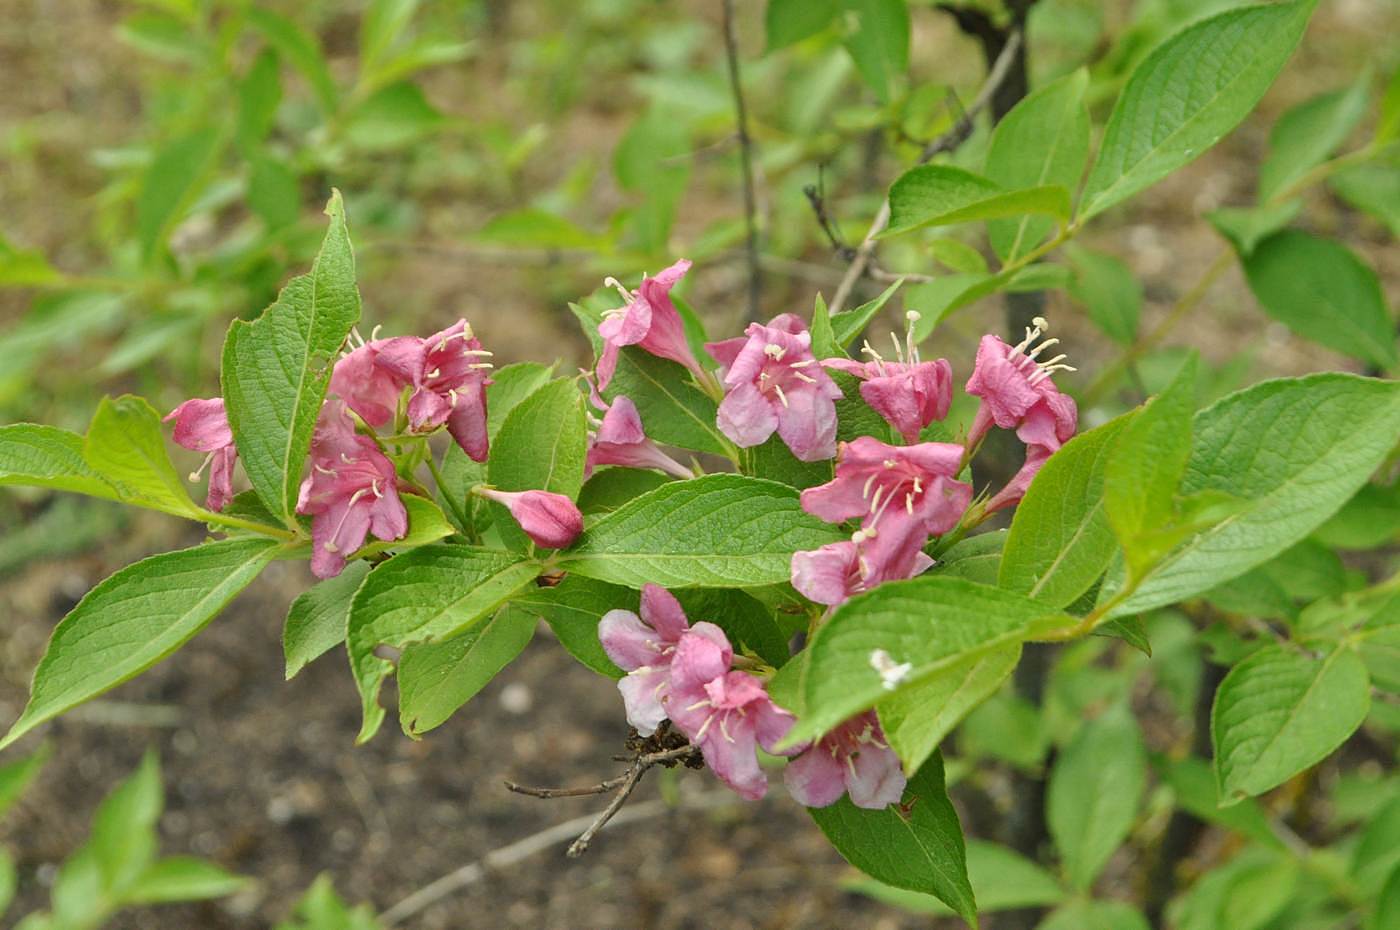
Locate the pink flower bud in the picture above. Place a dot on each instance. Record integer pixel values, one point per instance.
(550, 520)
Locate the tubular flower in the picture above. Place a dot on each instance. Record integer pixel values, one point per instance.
(834, 573)
(643, 647)
(449, 372)
(202, 425)
(1017, 391)
(773, 382)
(551, 520)
(851, 758)
(620, 440)
(726, 713)
(367, 388)
(352, 491)
(909, 393)
(648, 319)
(902, 494)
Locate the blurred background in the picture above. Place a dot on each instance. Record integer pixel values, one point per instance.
(163, 165)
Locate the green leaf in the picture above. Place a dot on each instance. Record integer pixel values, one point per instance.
(126, 447)
(1094, 791)
(1322, 291)
(1145, 467)
(1387, 912)
(748, 624)
(941, 195)
(1060, 540)
(877, 39)
(613, 487)
(9, 881)
(24, 267)
(932, 623)
(652, 160)
(428, 594)
(774, 461)
(715, 531)
(17, 776)
(531, 228)
(301, 50)
(1377, 853)
(162, 36)
(1002, 880)
(384, 21)
(437, 678)
(1374, 188)
(273, 192)
(542, 445)
(170, 185)
(958, 256)
(276, 368)
(392, 117)
(847, 326)
(322, 909)
(976, 558)
(318, 618)
(1370, 519)
(673, 410)
(135, 618)
(1279, 712)
(426, 524)
(917, 844)
(1110, 290)
(1191, 90)
(1043, 140)
(48, 457)
(182, 878)
(917, 718)
(1246, 227)
(123, 840)
(789, 21)
(1193, 783)
(1308, 133)
(1245, 893)
(1095, 915)
(1291, 452)
(259, 94)
(572, 609)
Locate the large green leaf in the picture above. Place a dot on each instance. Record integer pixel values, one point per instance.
(1060, 540)
(1190, 91)
(917, 845)
(1291, 452)
(542, 445)
(1094, 791)
(125, 446)
(1043, 140)
(573, 608)
(276, 368)
(715, 531)
(1281, 711)
(674, 411)
(941, 195)
(1001, 879)
(437, 678)
(931, 623)
(1322, 291)
(1305, 135)
(171, 184)
(318, 618)
(48, 457)
(429, 594)
(135, 618)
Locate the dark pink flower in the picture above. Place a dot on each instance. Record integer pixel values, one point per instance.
(1017, 391)
(726, 713)
(642, 647)
(838, 571)
(370, 390)
(352, 491)
(773, 382)
(851, 758)
(902, 495)
(648, 319)
(551, 520)
(202, 425)
(449, 374)
(909, 393)
(620, 440)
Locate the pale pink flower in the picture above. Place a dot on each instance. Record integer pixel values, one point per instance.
(908, 392)
(852, 758)
(620, 440)
(551, 520)
(367, 388)
(902, 495)
(1017, 391)
(650, 320)
(202, 425)
(643, 647)
(773, 382)
(837, 571)
(352, 491)
(449, 374)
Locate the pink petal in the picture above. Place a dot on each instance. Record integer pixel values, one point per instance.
(427, 410)
(201, 424)
(815, 778)
(628, 641)
(702, 654)
(643, 690)
(622, 424)
(388, 517)
(404, 357)
(894, 398)
(746, 416)
(824, 575)
(874, 778)
(731, 755)
(849, 365)
(807, 424)
(221, 478)
(664, 613)
(727, 350)
(467, 423)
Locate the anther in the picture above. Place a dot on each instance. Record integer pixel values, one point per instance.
(778, 388)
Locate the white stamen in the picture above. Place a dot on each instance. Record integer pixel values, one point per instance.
(481, 352)
(774, 351)
(781, 396)
(374, 333)
(700, 733)
(324, 471)
(199, 472)
(435, 373)
(891, 673)
(803, 364)
(875, 502)
(481, 365)
(724, 731)
(909, 503)
(616, 285)
(1042, 347)
(805, 378)
(865, 492)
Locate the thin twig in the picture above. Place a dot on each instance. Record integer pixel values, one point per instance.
(946, 142)
(520, 850)
(741, 116)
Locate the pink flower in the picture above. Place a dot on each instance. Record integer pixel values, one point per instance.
(909, 393)
(726, 713)
(903, 495)
(202, 425)
(449, 375)
(1017, 392)
(774, 382)
(838, 571)
(551, 520)
(620, 440)
(642, 647)
(367, 388)
(853, 757)
(352, 491)
(649, 320)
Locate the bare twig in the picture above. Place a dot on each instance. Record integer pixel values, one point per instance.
(947, 142)
(741, 116)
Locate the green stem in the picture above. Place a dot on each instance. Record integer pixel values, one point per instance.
(223, 519)
(442, 492)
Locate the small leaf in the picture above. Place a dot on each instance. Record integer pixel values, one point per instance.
(17, 776)
(941, 195)
(9, 881)
(847, 326)
(572, 609)
(383, 23)
(1095, 915)
(542, 445)
(135, 618)
(1193, 783)
(1374, 188)
(126, 447)
(790, 21)
(917, 844)
(1308, 133)
(1246, 227)
(273, 192)
(317, 620)
(300, 49)
(391, 118)
(170, 186)
(182, 878)
(878, 41)
(1279, 712)
(123, 838)
(24, 267)
(259, 94)
(1110, 290)
(1002, 880)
